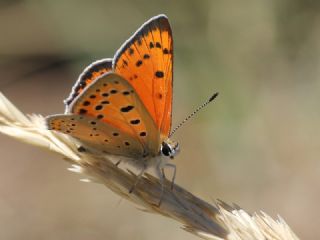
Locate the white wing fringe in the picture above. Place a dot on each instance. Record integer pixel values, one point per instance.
(238, 224)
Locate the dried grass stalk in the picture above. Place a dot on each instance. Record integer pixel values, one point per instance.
(219, 221)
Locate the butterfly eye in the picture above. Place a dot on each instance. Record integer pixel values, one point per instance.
(169, 148)
(165, 149)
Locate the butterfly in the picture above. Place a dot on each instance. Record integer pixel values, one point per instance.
(122, 106)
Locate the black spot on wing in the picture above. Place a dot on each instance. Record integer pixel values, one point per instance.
(127, 108)
(165, 51)
(138, 63)
(83, 111)
(135, 121)
(159, 74)
(143, 134)
(98, 107)
(86, 103)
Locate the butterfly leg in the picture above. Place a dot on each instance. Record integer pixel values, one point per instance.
(174, 173)
(161, 175)
(137, 179)
(117, 163)
(81, 149)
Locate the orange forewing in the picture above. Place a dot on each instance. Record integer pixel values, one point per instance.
(146, 62)
(92, 72)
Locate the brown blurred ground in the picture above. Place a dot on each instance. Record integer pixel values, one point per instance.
(257, 145)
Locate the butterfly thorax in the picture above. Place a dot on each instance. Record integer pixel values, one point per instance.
(168, 150)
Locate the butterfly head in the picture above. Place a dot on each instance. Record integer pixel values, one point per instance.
(169, 148)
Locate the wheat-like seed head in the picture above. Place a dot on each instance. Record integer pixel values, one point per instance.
(219, 221)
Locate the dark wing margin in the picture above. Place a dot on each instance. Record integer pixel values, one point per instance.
(157, 22)
(145, 60)
(90, 73)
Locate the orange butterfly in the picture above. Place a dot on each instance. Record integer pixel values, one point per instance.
(122, 106)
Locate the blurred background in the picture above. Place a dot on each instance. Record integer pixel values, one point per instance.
(257, 145)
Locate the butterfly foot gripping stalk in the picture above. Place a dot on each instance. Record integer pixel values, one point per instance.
(161, 178)
(174, 173)
(137, 179)
(132, 188)
(81, 149)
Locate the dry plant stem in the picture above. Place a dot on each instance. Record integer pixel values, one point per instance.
(198, 217)
(179, 204)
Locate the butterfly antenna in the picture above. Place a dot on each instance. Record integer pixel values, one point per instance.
(194, 112)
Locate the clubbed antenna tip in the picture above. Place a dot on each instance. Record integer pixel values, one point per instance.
(213, 96)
